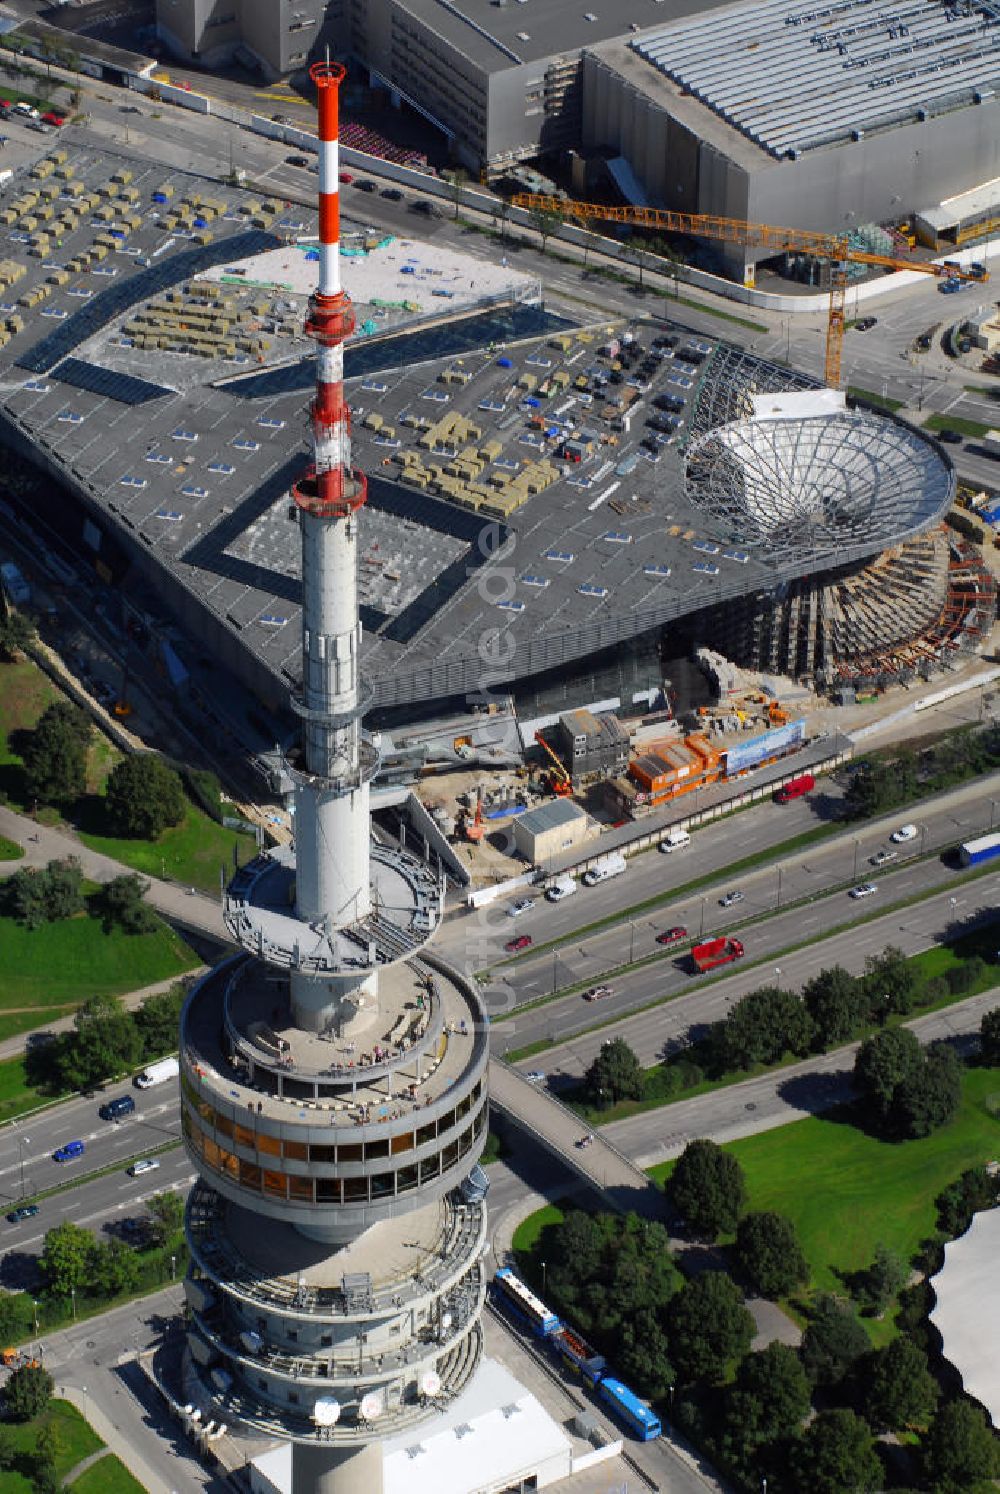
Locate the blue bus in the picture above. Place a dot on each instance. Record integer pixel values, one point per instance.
(523, 1303)
(628, 1408)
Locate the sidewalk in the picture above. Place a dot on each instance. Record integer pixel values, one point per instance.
(14, 1047)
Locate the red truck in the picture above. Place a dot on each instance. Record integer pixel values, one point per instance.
(795, 789)
(715, 952)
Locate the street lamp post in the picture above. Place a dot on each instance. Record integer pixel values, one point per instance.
(173, 1267)
(631, 940)
(22, 1142)
(34, 1305)
(72, 1292)
(779, 888)
(701, 929)
(543, 1277)
(857, 848)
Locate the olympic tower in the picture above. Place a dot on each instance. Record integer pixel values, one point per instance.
(333, 1073)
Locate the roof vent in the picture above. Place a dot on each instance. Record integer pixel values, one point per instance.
(921, 113)
(857, 134)
(982, 95)
(523, 36)
(634, 26)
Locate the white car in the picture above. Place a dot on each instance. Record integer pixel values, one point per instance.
(145, 1164)
(867, 889)
(882, 858)
(905, 832)
(523, 905)
(535, 1076)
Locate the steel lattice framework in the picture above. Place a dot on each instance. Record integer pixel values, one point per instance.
(816, 488)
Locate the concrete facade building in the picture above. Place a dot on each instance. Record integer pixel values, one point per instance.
(277, 39)
(550, 830)
(591, 744)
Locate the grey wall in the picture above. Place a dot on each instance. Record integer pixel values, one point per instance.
(882, 177)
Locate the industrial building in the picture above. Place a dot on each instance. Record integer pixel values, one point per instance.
(154, 368)
(550, 830)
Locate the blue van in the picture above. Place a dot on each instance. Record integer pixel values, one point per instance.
(69, 1151)
(116, 1108)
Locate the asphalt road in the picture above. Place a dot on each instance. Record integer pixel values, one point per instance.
(667, 1028)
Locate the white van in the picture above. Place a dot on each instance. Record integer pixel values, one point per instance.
(563, 886)
(675, 840)
(608, 866)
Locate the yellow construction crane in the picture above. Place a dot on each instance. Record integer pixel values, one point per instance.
(559, 781)
(829, 246)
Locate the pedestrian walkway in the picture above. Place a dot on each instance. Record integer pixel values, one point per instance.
(14, 1047)
(80, 1468)
(45, 843)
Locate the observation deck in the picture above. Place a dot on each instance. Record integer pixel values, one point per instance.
(407, 899)
(333, 1133)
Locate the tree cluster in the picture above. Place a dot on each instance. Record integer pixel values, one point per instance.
(907, 1091)
(74, 1260)
(34, 896)
(106, 1041)
(761, 1028)
(881, 784)
(707, 1189)
(17, 633)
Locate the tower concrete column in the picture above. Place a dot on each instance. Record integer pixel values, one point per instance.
(318, 1468)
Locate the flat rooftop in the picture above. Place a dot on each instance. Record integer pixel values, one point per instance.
(495, 37)
(795, 77)
(168, 383)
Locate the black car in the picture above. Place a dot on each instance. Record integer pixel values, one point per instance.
(364, 185)
(951, 438)
(393, 194)
(429, 209)
(301, 161)
(866, 324)
(26, 1211)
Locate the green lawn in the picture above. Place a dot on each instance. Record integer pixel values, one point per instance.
(191, 852)
(846, 1191)
(45, 971)
(955, 423)
(107, 1476)
(16, 1095)
(527, 1232)
(75, 1440)
(883, 402)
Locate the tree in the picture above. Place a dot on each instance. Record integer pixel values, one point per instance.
(642, 1356)
(17, 633)
(28, 1392)
(456, 181)
(634, 251)
(106, 1043)
(900, 1390)
(55, 755)
(708, 1326)
(770, 1399)
(832, 1342)
(65, 1258)
(930, 1097)
(119, 904)
(880, 1283)
(891, 981)
(976, 1189)
(114, 1268)
(144, 795)
(762, 1026)
(545, 221)
(167, 1213)
(158, 1020)
(770, 1255)
(836, 1455)
(615, 1074)
(837, 1004)
(11, 1324)
(883, 1063)
(960, 1450)
(10, 1449)
(707, 1188)
(989, 1038)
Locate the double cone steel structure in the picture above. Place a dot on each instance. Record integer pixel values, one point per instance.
(333, 1074)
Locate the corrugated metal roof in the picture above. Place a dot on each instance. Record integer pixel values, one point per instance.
(794, 77)
(552, 816)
